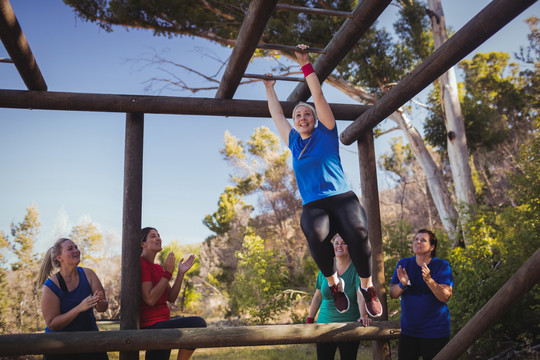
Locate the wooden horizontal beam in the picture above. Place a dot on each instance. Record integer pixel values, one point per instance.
(290, 48)
(49, 100)
(314, 11)
(6, 60)
(211, 337)
(487, 22)
(274, 77)
(18, 49)
(364, 16)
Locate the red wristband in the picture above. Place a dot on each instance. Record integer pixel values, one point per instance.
(307, 69)
(167, 275)
(310, 320)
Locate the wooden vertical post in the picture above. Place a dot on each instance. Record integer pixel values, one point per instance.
(370, 200)
(131, 226)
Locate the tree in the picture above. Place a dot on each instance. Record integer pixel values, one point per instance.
(4, 291)
(260, 166)
(258, 287)
(25, 312)
(89, 240)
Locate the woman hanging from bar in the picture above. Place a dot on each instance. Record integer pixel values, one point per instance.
(329, 206)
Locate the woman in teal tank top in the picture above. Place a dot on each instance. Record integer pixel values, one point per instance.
(323, 303)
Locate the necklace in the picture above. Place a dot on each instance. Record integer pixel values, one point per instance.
(304, 149)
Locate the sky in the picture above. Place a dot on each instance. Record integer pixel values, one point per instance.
(70, 164)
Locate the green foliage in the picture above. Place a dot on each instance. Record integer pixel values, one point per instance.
(399, 160)
(89, 240)
(495, 104)
(22, 306)
(501, 243)
(24, 237)
(220, 221)
(259, 284)
(187, 295)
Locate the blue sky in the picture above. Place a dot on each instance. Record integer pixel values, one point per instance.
(70, 164)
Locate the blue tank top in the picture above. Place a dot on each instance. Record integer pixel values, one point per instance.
(317, 165)
(86, 320)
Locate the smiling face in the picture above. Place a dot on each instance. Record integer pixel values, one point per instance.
(304, 120)
(70, 253)
(152, 241)
(340, 247)
(422, 245)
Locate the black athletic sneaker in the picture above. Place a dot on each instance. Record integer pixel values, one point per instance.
(373, 305)
(340, 298)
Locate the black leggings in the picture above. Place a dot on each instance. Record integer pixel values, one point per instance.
(176, 323)
(347, 350)
(411, 348)
(339, 214)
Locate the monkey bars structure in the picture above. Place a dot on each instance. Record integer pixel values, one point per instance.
(496, 15)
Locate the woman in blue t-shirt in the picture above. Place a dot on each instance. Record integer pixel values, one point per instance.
(323, 304)
(424, 283)
(70, 295)
(328, 204)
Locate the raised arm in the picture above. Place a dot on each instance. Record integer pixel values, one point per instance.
(183, 267)
(97, 288)
(276, 111)
(324, 113)
(151, 293)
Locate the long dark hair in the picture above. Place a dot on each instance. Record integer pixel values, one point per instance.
(432, 240)
(144, 233)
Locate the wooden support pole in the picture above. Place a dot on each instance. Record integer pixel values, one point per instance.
(50, 100)
(364, 15)
(487, 22)
(314, 11)
(519, 284)
(211, 337)
(258, 14)
(131, 226)
(291, 48)
(18, 49)
(275, 77)
(370, 200)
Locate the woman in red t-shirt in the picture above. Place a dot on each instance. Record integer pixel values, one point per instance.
(156, 291)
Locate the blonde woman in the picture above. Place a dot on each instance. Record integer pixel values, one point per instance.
(329, 206)
(70, 295)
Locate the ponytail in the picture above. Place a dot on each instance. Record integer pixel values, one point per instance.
(50, 262)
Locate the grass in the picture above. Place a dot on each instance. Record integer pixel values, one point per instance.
(275, 352)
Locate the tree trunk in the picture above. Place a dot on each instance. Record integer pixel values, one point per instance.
(439, 193)
(458, 154)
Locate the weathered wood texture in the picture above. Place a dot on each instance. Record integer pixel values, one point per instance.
(274, 77)
(519, 284)
(257, 17)
(155, 104)
(134, 340)
(370, 200)
(293, 48)
(487, 22)
(131, 226)
(364, 15)
(18, 49)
